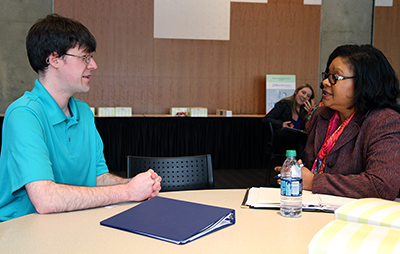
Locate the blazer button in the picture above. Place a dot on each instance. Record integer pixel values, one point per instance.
(330, 164)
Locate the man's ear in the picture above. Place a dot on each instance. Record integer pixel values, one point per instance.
(53, 59)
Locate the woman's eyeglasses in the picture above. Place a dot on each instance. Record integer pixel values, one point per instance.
(333, 78)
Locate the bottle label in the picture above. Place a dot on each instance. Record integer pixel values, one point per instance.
(292, 187)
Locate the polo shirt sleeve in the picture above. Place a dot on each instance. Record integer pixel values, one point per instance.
(101, 161)
(25, 149)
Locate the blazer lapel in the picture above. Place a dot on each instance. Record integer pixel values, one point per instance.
(351, 131)
(320, 130)
(348, 133)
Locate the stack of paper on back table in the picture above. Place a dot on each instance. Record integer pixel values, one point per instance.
(172, 220)
(270, 198)
(367, 225)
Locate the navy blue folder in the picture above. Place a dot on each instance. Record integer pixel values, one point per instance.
(172, 220)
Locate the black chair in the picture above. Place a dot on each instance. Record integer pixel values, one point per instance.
(178, 173)
(275, 159)
(278, 157)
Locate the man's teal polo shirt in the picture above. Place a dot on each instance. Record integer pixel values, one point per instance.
(40, 143)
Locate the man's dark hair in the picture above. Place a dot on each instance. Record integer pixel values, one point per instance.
(376, 85)
(58, 34)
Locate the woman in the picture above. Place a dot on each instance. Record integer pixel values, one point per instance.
(290, 112)
(353, 148)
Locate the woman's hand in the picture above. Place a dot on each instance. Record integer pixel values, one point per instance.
(308, 105)
(308, 176)
(287, 124)
(278, 169)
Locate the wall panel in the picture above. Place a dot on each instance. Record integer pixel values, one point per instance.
(151, 75)
(387, 33)
(16, 74)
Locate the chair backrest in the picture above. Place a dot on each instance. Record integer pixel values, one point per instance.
(274, 159)
(271, 129)
(178, 173)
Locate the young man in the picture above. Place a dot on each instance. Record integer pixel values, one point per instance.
(52, 155)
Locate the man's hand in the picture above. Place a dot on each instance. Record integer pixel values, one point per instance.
(50, 197)
(144, 186)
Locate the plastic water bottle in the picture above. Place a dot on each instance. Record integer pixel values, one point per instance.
(291, 186)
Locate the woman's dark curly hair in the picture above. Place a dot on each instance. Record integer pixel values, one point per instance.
(58, 34)
(376, 85)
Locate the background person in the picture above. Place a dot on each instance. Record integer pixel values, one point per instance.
(353, 148)
(52, 155)
(291, 112)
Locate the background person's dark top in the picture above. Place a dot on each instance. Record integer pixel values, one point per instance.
(286, 140)
(282, 112)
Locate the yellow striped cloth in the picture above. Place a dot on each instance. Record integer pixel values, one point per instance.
(363, 226)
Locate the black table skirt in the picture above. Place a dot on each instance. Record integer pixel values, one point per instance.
(233, 142)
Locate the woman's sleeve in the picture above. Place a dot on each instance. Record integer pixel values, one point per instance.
(379, 171)
(274, 116)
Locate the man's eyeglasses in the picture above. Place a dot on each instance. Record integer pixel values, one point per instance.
(333, 78)
(87, 58)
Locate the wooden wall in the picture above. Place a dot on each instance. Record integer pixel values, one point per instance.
(387, 33)
(151, 75)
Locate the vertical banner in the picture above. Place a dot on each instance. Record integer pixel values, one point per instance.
(279, 87)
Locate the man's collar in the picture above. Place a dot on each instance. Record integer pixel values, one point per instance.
(54, 112)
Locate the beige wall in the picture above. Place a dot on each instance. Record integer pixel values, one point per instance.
(151, 75)
(387, 33)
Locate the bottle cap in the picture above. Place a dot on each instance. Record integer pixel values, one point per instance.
(290, 153)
